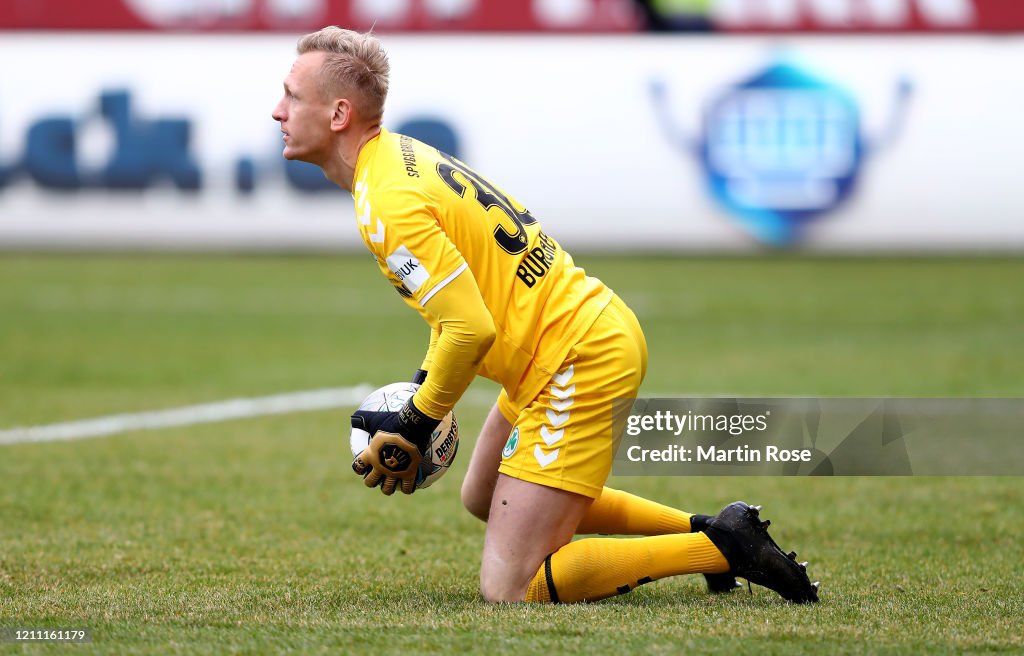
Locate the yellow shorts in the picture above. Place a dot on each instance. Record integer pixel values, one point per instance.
(563, 438)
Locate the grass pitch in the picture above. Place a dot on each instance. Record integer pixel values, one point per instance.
(253, 536)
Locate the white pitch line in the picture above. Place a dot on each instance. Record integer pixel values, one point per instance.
(322, 399)
(277, 404)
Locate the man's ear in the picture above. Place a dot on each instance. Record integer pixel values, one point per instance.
(341, 114)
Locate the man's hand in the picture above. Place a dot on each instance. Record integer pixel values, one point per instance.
(399, 441)
(389, 458)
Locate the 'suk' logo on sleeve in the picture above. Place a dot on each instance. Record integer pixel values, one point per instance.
(408, 268)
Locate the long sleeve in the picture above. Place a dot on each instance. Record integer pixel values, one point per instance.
(428, 358)
(467, 332)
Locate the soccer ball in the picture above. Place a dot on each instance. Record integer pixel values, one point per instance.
(444, 443)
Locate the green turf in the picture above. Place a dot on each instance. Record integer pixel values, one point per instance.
(253, 537)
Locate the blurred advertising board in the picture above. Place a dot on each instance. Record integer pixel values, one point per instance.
(308, 15)
(698, 144)
(833, 16)
(859, 16)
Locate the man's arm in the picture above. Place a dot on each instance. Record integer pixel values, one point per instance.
(401, 438)
(421, 373)
(467, 332)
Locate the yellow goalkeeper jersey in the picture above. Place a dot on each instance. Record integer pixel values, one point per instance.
(428, 218)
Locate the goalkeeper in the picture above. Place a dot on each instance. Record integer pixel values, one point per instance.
(504, 300)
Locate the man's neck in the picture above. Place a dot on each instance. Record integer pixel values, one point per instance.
(341, 170)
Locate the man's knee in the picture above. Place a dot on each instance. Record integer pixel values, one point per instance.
(503, 583)
(526, 523)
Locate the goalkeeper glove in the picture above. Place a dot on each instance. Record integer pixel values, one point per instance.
(397, 446)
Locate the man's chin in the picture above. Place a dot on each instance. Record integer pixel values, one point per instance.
(296, 155)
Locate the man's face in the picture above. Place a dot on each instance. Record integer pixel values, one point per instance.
(304, 114)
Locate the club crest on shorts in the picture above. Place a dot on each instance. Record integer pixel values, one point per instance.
(512, 444)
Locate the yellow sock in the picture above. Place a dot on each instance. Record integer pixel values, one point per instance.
(595, 568)
(620, 513)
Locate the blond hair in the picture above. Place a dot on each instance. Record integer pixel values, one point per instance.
(355, 65)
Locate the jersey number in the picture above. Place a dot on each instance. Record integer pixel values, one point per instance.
(488, 196)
